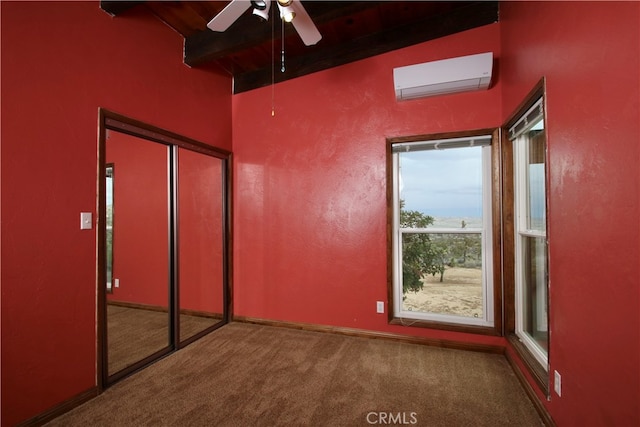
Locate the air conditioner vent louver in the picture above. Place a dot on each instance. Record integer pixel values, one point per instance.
(462, 74)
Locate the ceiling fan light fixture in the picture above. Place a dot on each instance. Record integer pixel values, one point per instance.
(288, 16)
(260, 4)
(263, 14)
(287, 13)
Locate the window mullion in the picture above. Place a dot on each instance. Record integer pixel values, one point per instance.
(532, 233)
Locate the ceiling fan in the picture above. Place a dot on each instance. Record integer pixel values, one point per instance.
(290, 11)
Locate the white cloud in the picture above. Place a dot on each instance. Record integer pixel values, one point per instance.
(443, 182)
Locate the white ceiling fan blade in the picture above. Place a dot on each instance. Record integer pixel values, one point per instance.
(304, 25)
(228, 15)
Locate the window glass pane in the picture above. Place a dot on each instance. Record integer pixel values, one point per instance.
(445, 185)
(442, 274)
(535, 179)
(441, 217)
(530, 208)
(534, 290)
(109, 225)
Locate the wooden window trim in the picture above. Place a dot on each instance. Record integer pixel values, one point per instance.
(496, 180)
(539, 374)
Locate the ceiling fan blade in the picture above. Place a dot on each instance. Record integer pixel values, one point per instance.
(228, 15)
(304, 25)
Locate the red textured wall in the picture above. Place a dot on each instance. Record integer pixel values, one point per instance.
(589, 53)
(141, 220)
(310, 184)
(60, 63)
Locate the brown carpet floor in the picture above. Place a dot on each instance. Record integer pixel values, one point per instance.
(251, 375)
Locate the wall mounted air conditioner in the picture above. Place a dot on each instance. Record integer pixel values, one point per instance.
(446, 76)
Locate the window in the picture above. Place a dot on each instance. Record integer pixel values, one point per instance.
(109, 226)
(525, 253)
(531, 283)
(441, 221)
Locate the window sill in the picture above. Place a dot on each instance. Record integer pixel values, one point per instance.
(537, 371)
(454, 327)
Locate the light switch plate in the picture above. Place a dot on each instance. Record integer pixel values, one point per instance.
(86, 221)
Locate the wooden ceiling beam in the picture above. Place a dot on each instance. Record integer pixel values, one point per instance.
(115, 8)
(459, 19)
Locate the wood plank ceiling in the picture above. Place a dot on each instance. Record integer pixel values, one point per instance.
(249, 50)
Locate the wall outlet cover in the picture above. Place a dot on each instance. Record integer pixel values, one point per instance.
(557, 383)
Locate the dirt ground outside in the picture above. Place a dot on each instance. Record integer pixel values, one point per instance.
(459, 294)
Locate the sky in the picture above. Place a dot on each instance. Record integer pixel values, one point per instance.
(443, 183)
(109, 191)
(448, 184)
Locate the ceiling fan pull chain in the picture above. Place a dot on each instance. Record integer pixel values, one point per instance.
(282, 56)
(273, 62)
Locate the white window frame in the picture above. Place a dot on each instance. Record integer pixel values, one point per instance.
(487, 320)
(521, 159)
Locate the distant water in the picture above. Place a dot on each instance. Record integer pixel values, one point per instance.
(456, 222)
